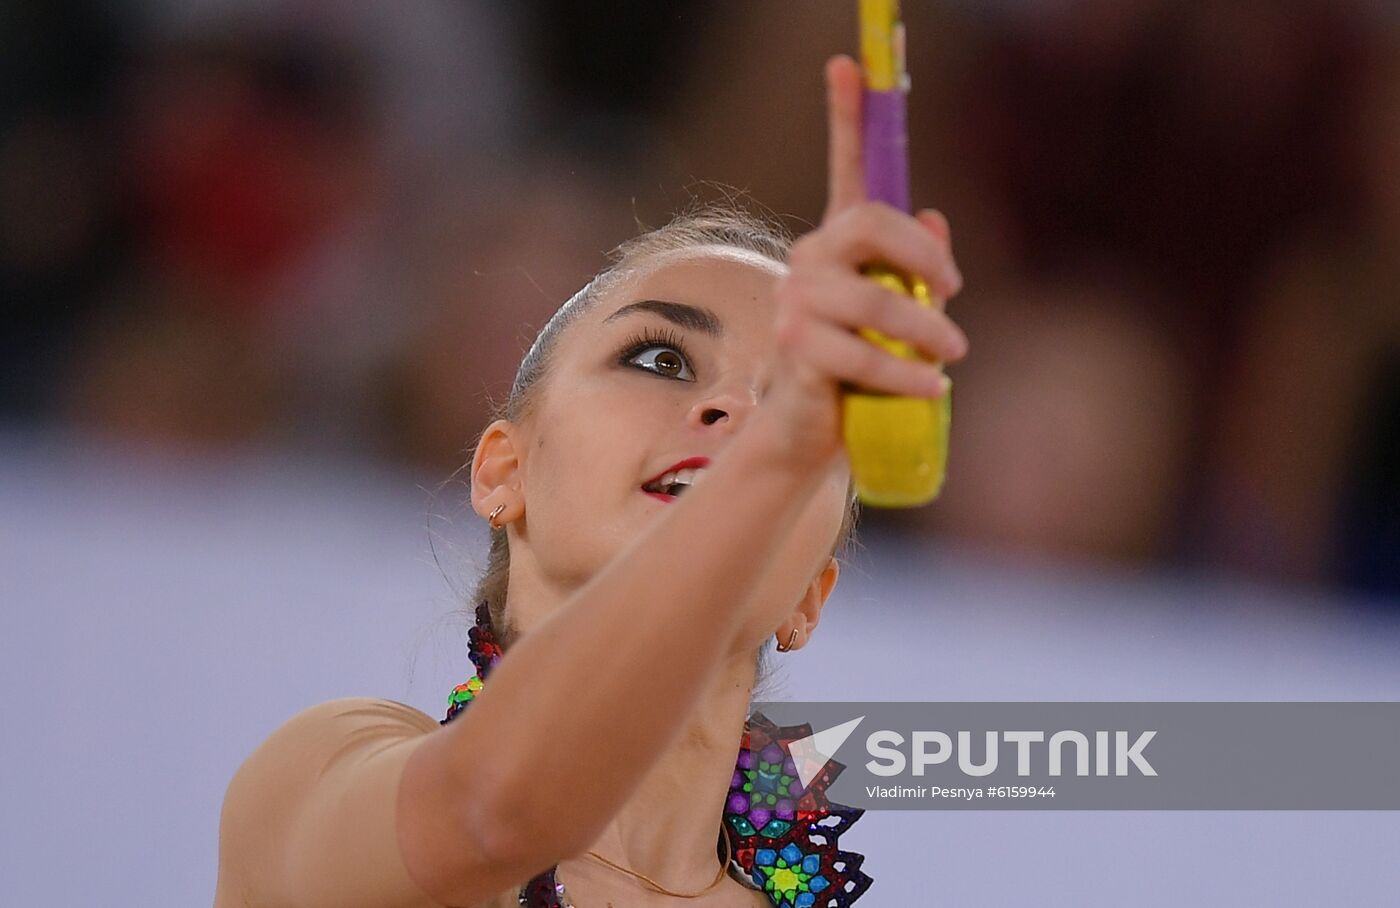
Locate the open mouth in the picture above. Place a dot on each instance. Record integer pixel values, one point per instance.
(674, 482)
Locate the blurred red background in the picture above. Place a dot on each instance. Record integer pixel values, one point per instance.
(335, 227)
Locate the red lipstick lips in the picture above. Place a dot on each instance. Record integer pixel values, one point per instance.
(687, 464)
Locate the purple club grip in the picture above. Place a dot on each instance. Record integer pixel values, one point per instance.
(885, 142)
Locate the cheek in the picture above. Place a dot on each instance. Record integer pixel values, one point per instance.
(588, 456)
(817, 530)
(570, 462)
(798, 562)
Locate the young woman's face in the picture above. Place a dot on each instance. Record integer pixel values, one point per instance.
(632, 392)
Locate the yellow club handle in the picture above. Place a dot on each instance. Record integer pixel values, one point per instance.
(897, 446)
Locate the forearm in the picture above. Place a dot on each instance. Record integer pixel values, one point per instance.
(582, 704)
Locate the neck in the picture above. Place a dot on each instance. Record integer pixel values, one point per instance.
(668, 829)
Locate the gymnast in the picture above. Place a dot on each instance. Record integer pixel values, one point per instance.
(667, 488)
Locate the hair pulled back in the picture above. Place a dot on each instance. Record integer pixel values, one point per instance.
(710, 224)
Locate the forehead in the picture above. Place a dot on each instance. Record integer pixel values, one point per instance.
(726, 279)
(714, 255)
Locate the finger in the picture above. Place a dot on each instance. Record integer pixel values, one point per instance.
(839, 353)
(937, 224)
(854, 302)
(875, 232)
(846, 174)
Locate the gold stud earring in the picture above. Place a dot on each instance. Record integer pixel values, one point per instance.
(791, 640)
(494, 514)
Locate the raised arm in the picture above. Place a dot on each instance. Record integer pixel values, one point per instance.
(495, 797)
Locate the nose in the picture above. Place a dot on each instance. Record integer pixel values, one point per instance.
(731, 408)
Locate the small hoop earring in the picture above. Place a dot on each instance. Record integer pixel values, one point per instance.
(494, 514)
(792, 638)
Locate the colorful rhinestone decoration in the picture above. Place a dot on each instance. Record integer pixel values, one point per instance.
(784, 836)
(482, 646)
(544, 891)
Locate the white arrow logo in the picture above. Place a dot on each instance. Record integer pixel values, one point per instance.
(811, 754)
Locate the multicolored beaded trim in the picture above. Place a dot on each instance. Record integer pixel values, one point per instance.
(782, 835)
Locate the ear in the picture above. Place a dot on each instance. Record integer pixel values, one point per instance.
(496, 473)
(809, 608)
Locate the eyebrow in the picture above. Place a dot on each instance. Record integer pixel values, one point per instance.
(696, 318)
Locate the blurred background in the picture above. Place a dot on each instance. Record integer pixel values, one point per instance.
(263, 265)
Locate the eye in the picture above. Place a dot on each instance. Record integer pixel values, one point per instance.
(672, 360)
(668, 362)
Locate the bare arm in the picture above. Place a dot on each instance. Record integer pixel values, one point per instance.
(491, 799)
(522, 802)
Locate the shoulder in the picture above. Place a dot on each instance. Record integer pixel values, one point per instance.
(326, 735)
(373, 716)
(346, 712)
(315, 800)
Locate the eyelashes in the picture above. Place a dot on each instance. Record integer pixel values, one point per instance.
(648, 338)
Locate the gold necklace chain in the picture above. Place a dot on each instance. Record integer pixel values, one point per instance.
(723, 869)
